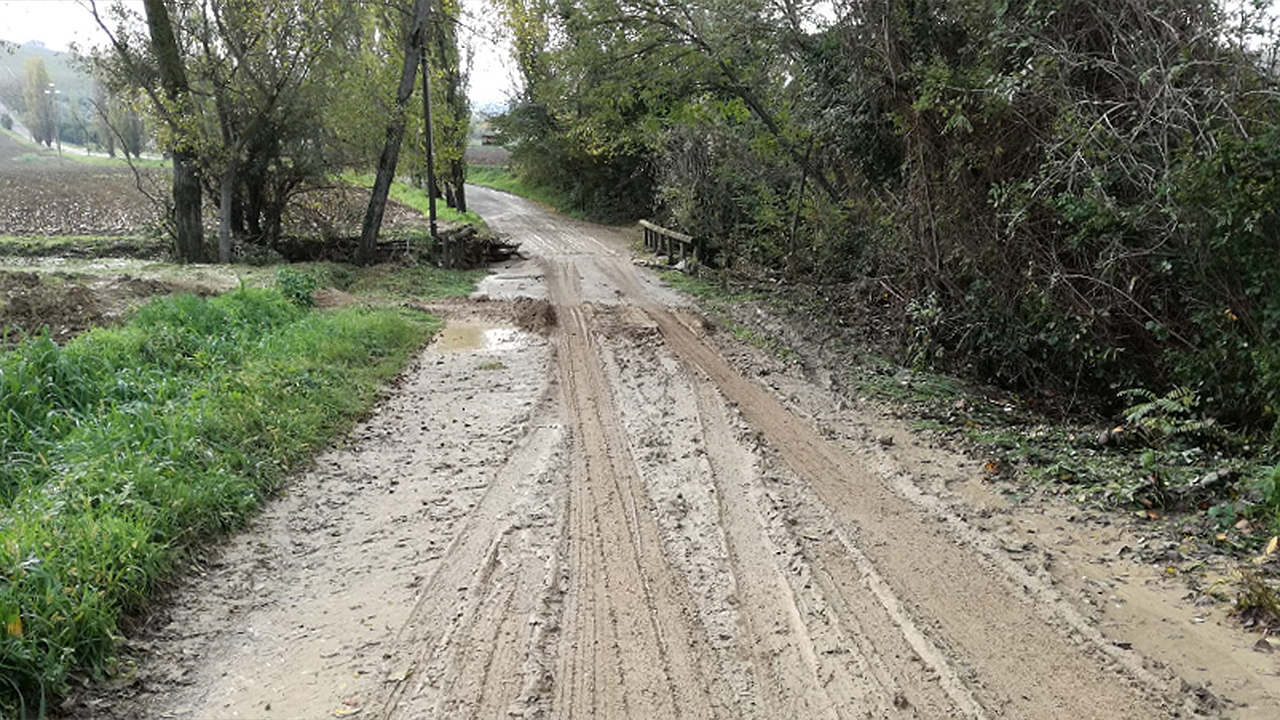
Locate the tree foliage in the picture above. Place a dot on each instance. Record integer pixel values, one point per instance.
(280, 95)
(39, 100)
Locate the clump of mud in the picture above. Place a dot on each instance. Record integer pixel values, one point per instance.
(535, 316)
(69, 304)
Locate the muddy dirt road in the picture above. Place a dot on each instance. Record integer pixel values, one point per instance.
(610, 509)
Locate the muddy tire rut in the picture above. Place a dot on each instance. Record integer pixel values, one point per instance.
(609, 519)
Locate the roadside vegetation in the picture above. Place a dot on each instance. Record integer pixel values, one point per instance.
(127, 447)
(1161, 460)
(417, 198)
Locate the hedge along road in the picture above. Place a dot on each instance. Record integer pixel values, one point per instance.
(608, 518)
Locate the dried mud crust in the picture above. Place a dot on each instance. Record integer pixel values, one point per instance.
(71, 303)
(629, 517)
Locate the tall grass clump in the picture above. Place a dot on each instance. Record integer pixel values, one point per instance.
(128, 445)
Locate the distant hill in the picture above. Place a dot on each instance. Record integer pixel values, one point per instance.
(70, 80)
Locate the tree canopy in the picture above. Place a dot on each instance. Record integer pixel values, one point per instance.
(268, 99)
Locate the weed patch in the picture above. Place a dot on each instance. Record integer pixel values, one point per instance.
(418, 199)
(716, 300)
(128, 445)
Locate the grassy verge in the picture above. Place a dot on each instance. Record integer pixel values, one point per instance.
(500, 178)
(717, 299)
(129, 445)
(40, 155)
(416, 198)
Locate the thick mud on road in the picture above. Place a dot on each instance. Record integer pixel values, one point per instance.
(583, 501)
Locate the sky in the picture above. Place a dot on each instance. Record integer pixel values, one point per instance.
(58, 23)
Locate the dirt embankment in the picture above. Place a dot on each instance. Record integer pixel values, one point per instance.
(583, 501)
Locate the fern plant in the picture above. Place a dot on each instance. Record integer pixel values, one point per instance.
(1160, 419)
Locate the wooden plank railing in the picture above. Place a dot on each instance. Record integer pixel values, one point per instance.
(669, 242)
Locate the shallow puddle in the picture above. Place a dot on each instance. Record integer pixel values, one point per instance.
(474, 336)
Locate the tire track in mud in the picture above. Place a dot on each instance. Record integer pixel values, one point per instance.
(472, 634)
(930, 623)
(959, 606)
(736, 527)
(639, 531)
(627, 649)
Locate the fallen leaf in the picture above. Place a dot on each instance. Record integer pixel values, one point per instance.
(1272, 545)
(346, 711)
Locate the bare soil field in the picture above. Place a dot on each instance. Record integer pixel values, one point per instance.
(71, 303)
(80, 245)
(585, 499)
(44, 194)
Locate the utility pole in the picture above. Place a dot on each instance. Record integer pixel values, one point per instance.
(431, 154)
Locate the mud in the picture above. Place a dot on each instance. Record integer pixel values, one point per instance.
(67, 304)
(585, 503)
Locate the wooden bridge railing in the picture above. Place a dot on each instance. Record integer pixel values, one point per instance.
(670, 243)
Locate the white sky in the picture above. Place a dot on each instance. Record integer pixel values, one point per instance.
(58, 23)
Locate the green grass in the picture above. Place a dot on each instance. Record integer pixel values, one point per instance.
(129, 445)
(416, 198)
(415, 283)
(41, 154)
(708, 291)
(716, 300)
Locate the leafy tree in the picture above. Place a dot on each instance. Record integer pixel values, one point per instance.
(255, 117)
(413, 42)
(411, 33)
(39, 100)
(1072, 194)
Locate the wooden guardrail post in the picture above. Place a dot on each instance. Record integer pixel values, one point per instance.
(669, 242)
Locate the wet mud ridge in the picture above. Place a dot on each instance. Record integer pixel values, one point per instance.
(599, 513)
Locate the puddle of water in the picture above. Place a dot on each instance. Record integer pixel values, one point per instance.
(473, 336)
(460, 336)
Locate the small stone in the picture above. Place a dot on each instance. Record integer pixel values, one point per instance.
(885, 440)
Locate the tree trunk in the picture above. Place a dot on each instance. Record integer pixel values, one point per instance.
(187, 221)
(395, 135)
(458, 168)
(224, 214)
